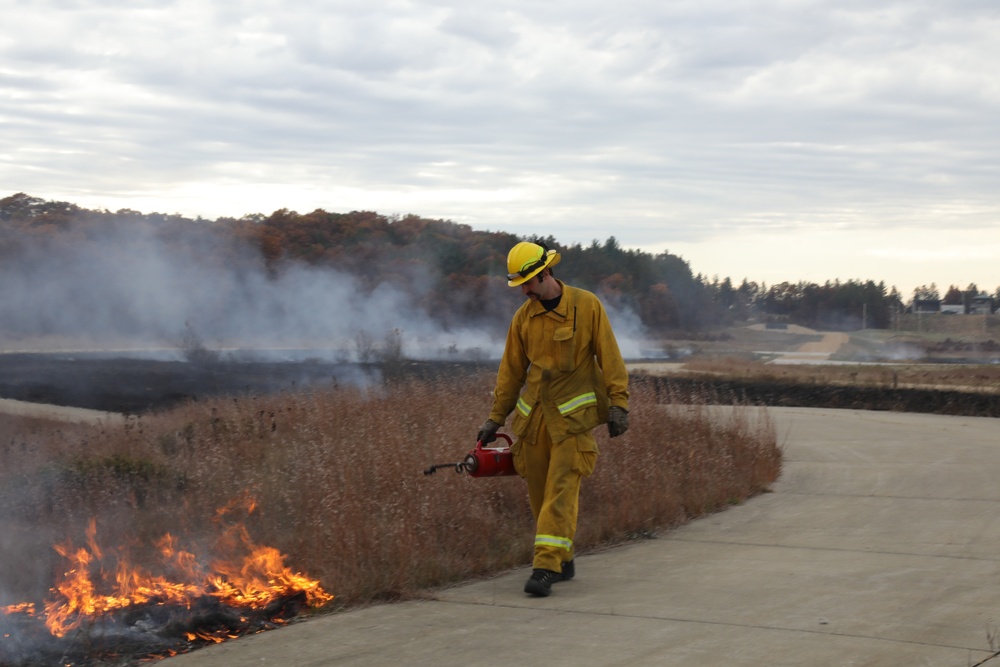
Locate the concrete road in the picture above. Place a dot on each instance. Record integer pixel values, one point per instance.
(879, 546)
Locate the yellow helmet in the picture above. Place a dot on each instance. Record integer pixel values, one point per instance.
(526, 259)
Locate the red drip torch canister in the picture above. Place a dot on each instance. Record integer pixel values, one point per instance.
(490, 461)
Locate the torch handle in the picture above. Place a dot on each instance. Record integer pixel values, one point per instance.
(479, 443)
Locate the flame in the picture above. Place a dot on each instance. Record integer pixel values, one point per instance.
(252, 580)
(20, 608)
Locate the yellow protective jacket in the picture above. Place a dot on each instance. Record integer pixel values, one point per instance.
(568, 363)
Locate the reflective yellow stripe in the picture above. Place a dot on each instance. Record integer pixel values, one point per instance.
(578, 402)
(553, 541)
(523, 407)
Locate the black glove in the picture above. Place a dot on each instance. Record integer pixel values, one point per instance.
(488, 433)
(617, 421)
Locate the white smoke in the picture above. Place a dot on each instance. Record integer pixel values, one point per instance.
(139, 291)
(155, 293)
(631, 334)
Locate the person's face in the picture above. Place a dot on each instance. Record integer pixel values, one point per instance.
(537, 287)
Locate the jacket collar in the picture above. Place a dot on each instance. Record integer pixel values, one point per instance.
(536, 307)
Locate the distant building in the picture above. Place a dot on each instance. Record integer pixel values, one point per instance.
(981, 304)
(926, 306)
(952, 309)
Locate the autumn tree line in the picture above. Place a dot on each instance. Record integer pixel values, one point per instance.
(450, 271)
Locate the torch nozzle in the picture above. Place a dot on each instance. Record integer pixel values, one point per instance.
(433, 469)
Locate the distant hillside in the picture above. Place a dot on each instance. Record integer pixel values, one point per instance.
(319, 275)
(322, 276)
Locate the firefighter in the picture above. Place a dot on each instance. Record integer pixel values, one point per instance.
(562, 375)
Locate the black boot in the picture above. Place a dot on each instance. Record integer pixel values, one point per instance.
(568, 571)
(540, 583)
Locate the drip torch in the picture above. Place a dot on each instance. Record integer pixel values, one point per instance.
(483, 461)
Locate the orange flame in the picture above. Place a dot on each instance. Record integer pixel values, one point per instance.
(251, 581)
(20, 608)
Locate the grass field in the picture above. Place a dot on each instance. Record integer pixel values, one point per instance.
(337, 478)
(335, 472)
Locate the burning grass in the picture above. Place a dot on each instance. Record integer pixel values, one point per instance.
(337, 479)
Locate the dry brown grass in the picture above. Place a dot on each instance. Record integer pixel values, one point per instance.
(872, 360)
(962, 377)
(338, 479)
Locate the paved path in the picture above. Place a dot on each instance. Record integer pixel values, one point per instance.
(879, 546)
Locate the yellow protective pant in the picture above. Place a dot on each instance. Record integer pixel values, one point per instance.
(553, 472)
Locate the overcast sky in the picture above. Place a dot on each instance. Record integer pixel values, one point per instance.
(775, 140)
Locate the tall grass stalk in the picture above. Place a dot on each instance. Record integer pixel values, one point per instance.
(337, 475)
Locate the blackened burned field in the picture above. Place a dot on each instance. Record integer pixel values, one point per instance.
(140, 634)
(798, 395)
(136, 386)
